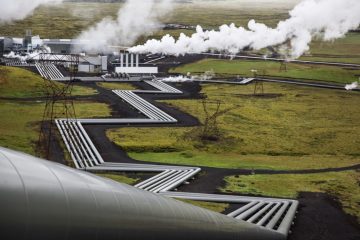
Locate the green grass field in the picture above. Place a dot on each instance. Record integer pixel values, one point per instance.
(60, 21)
(344, 185)
(112, 86)
(50, 21)
(293, 128)
(302, 128)
(19, 120)
(21, 83)
(243, 68)
(342, 50)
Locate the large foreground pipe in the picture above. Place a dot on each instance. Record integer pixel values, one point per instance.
(44, 200)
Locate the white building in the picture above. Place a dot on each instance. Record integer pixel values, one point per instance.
(129, 63)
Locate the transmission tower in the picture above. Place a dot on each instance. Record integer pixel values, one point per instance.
(283, 66)
(259, 86)
(59, 102)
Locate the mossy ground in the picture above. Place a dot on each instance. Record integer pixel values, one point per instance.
(343, 185)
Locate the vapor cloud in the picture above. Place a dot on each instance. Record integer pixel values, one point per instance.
(322, 19)
(352, 86)
(134, 19)
(177, 79)
(18, 9)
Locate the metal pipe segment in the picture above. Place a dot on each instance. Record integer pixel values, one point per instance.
(42, 200)
(49, 71)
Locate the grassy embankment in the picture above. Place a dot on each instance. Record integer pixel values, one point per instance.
(243, 68)
(19, 119)
(20, 83)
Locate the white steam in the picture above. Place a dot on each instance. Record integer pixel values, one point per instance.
(208, 75)
(19, 9)
(179, 78)
(352, 86)
(134, 19)
(323, 19)
(28, 56)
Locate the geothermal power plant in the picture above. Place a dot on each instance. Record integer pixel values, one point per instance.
(47, 200)
(228, 133)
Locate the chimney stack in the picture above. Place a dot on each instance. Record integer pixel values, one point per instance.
(127, 60)
(121, 60)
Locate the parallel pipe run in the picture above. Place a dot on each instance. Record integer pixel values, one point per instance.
(250, 211)
(277, 216)
(179, 182)
(98, 159)
(147, 109)
(66, 143)
(49, 71)
(259, 213)
(154, 179)
(143, 106)
(170, 181)
(284, 227)
(92, 157)
(273, 214)
(221, 198)
(167, 178)
(84, 155)
(265, 218)
(242, 209)
(165, 88)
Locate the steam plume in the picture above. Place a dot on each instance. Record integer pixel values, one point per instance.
(352, 86)
(177, 79)
(323, 19)
(136, 18)
(18, 9)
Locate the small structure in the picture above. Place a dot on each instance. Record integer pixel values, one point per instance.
(93, 64)
(6, 45)
(129, 63)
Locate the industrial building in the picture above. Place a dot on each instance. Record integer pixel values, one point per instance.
(6, 45)
(129, 63)
(93, 64)
(119, 63)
